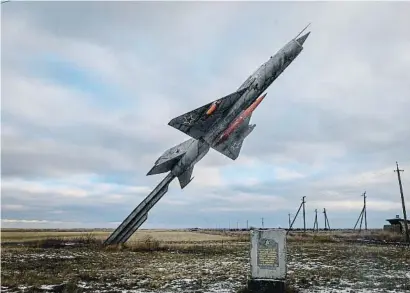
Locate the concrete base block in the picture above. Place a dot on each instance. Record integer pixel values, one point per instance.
(266, 286)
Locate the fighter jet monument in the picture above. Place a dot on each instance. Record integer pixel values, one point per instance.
(221, 125)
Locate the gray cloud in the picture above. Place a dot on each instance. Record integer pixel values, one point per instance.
(338, 111)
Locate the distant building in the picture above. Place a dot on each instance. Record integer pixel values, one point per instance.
(396, 225)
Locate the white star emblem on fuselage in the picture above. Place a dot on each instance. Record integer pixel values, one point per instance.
(188, 120)
(236, 145)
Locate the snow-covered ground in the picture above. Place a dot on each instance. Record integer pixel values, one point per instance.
(320, 267)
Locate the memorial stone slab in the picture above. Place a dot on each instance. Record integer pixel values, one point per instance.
(268, 254)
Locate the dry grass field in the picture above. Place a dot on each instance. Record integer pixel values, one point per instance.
(160, 235)
(203, 261)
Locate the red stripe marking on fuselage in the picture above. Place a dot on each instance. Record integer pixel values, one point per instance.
(238, 121)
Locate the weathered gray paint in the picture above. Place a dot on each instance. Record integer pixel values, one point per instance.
(138, 216)
(207, 128)
(204, 130)
(274, 241)
(186, 177)
(170, 157)
(232, 146)
(198, 124)
(196, 151)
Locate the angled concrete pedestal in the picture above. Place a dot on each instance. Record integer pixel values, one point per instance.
(266, 286)
(268, 261)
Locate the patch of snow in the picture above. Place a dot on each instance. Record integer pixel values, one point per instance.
(47, 287)
(83, 285)
(222, 287)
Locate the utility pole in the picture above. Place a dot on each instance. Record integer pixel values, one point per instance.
(327, 219)
(406, 228)
(246, 224)
(304, 214)
(289, 220)
(364, 208)
(363, 215)
(327, 225)
(315, 225)
(297, 213)
(237, 225)
(358, 219)
(361, 221)
(262, 222)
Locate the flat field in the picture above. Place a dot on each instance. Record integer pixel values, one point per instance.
(178, 261)
(160, 235)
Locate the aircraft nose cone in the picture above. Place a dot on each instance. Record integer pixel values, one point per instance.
(303, 38)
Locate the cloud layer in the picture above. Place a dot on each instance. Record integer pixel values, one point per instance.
(88, 89)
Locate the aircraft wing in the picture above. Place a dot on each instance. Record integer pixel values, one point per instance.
(197, 123)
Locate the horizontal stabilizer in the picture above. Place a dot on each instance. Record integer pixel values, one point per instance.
(185, 177)
(198, 122)
(170, 157)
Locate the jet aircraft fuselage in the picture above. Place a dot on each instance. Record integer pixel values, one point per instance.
(224, 123)
(257, 83)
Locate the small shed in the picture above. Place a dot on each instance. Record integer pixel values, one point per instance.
(396, 225)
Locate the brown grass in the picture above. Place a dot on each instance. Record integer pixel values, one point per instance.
(29, 236)
(151, 263)
(311, 237)
(384, 236)
(161, 235)
(87, 239)
(146, 244)
(337, 236)
(150, 244)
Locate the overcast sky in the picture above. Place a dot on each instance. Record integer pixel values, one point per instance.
(88, 89)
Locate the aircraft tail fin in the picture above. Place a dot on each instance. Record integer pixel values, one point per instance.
(185, 178)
